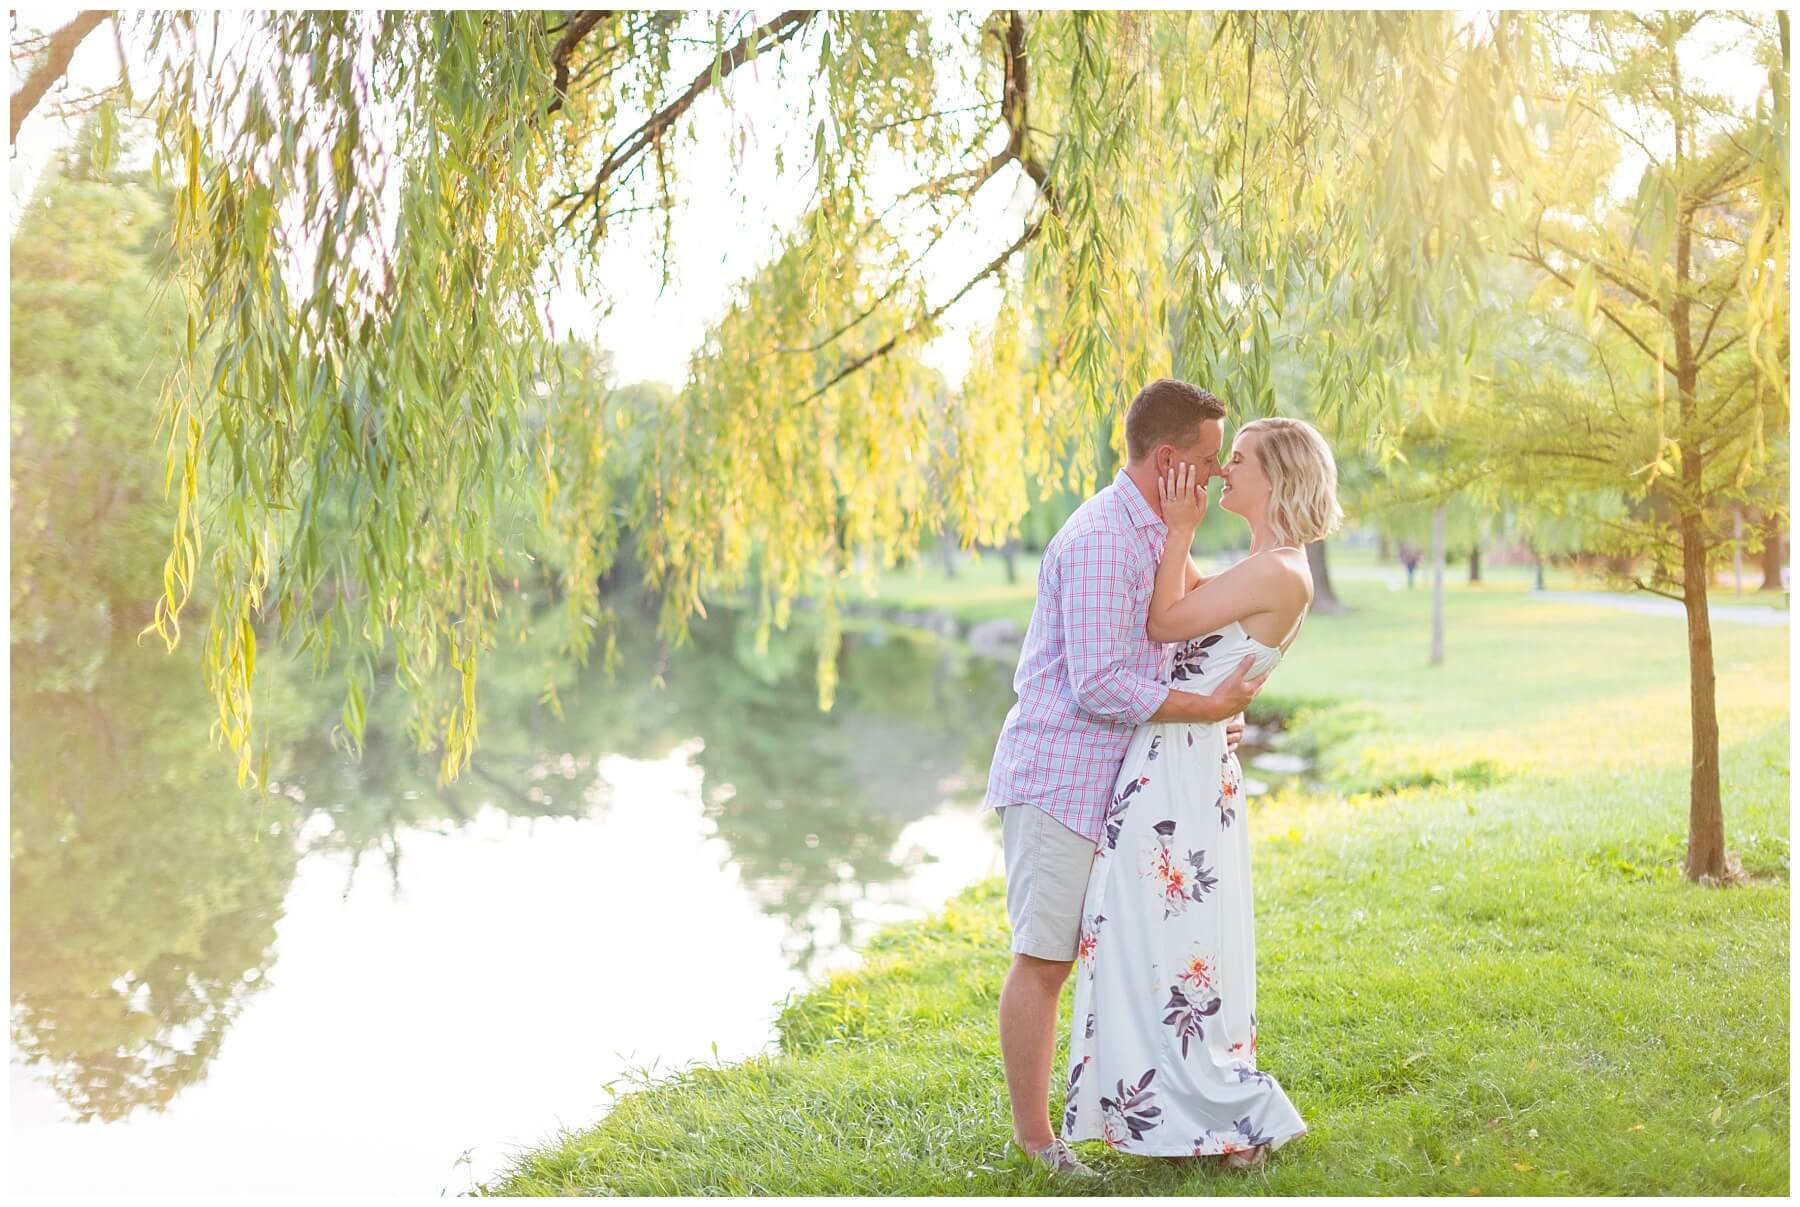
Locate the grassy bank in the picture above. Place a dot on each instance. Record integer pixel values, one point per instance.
(1479, 968)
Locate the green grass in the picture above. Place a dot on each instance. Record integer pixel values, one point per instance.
(1491, 981)
(1362, 564)
(1776, 601)
(978, 592)
(980, 589)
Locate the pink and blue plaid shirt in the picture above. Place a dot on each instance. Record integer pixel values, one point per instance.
(1089, 674)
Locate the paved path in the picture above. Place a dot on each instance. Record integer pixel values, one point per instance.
(1655, 606)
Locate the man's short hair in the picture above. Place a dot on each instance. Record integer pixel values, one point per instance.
(1168, 411)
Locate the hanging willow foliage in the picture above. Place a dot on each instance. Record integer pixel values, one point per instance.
(373, 207)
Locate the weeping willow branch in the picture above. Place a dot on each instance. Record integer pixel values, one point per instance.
(764, 37)
(62, 46)
(1015, 108)
(931, 316)
(579, 25)
(383, 432)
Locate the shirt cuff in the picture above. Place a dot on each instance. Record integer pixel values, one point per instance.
(1146, 699)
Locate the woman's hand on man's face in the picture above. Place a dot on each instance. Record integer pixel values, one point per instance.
(1182, 495)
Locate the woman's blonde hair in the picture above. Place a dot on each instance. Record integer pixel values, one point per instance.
(1302, 475)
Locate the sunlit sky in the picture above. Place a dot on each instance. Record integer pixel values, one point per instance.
(727, 219)
(729, 215)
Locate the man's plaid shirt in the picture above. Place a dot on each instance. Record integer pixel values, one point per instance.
(1088, 675)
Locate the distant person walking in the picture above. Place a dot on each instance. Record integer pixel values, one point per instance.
(1409, 557)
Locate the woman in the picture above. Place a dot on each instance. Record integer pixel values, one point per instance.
(1162, 1055)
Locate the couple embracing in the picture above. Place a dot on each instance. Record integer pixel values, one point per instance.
(1123, 820)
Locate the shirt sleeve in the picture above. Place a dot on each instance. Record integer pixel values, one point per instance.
(1102, 621)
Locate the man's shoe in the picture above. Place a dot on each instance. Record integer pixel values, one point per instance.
(1061, 1160)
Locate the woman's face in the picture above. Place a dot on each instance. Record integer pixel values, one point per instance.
(1246, 490)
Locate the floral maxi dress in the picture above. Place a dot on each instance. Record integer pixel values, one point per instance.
(1162, 1055)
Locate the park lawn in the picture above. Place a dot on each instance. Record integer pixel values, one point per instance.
(1484, 975)
(1352, 562)
(979, 591)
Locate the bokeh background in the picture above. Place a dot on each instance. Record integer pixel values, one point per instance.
(738, 515)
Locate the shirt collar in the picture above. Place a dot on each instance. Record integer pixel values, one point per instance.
(1137, 508)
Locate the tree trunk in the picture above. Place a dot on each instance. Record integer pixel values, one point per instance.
(1010, 552)
(1706, 815)
(1437, 587)
(1384, 553)
(1771, 552)
(947, 548)
(1538, 560)
(1737, 550)
(1324, 598)
(1475, 563)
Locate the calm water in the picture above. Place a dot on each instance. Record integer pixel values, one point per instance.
(369, 984)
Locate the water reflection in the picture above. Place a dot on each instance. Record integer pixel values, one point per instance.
(147, 888)
(145, 892)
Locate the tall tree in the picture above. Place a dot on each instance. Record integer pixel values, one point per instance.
(1676, 300)
(1425, 498)
(1437, 585)
(92, 338)
(1773, 555)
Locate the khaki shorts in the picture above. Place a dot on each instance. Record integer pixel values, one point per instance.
(1047, 866)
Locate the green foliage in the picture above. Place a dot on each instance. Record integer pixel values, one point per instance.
(354, 239)
(740, 477)
(1644, 381)
(91, 340)
(369, 209)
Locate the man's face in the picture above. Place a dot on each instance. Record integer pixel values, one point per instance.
(1204, 452)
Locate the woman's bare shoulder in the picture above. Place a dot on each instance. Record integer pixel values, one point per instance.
(1294, 573)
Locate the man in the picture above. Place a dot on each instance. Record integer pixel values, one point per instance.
(1088, 676)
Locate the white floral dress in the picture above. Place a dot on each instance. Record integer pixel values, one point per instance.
(1162, 1055)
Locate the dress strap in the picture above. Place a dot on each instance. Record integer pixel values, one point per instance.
(1295, 631)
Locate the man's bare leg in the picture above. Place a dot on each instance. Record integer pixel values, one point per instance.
(1028, 1002)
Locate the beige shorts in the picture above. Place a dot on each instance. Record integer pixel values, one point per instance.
(1047, 867)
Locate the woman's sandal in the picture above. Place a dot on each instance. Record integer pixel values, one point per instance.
(1248, 1158)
